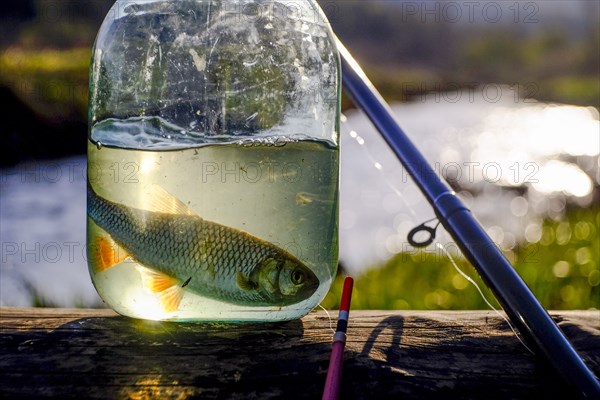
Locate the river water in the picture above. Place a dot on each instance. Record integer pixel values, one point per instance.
(513, 161)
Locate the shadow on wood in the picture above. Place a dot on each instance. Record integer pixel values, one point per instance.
(400, 355)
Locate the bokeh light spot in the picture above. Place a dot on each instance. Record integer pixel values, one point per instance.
(561, 269)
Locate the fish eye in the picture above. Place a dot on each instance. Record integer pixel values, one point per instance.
(297, 277)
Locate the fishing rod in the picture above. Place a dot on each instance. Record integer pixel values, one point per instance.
(512, 293)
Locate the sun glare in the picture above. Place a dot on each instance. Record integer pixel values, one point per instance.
(557, 176)
(144, 304)
(522, 142)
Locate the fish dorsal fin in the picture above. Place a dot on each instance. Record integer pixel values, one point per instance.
(105, 253)
(168, 289)
(159, 200)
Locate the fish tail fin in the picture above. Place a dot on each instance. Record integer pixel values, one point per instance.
(104, 253)
(169, 290)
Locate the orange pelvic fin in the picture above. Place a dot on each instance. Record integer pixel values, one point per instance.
(169, 290)
(105, 253)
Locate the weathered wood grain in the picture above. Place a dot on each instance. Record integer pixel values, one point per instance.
(393, 355)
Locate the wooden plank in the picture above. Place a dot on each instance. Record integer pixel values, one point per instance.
(390, 354)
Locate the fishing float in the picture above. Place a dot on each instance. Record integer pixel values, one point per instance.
(336, 361)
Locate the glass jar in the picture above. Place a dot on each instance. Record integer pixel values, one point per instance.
(213, 159)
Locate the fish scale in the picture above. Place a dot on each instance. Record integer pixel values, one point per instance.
(211, 258)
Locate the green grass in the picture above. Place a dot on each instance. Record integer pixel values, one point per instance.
(562, 270)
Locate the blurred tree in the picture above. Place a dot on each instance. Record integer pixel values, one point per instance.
(43, 75)
(493, 56)
(591, 61)
(64, 23)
